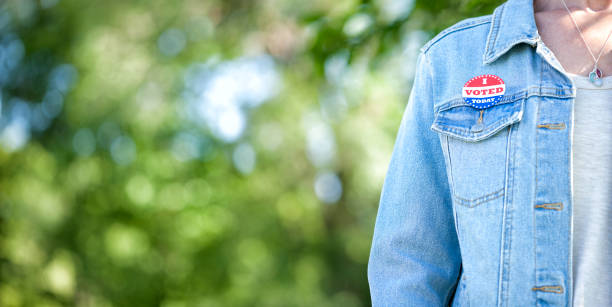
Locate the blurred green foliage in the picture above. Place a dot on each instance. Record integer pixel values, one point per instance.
(200, 152)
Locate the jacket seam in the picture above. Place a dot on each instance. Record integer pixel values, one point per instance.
(430, 74)
(429, 79)
(450, 171)
(529, 92)
(459, 27)
(534, 197)
(465, 135)
(507, 220)
(503, 50)
(493, 32)
(570, 202)
(471, 203)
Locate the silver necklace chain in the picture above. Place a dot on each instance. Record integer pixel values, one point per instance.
(596, 73)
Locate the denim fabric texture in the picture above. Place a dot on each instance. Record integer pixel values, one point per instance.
(476, 206)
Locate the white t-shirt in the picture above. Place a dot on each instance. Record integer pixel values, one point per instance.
(592, 180)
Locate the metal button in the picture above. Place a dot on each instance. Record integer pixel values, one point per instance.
(477, 127)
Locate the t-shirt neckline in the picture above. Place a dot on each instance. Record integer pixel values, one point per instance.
(583, 82)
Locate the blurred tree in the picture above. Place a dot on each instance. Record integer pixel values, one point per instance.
(200, 153)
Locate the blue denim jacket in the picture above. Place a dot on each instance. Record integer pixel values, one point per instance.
(476, 206)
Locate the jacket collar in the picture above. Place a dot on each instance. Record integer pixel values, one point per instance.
(513, 22)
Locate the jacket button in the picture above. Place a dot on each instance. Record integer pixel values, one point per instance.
(477, 127)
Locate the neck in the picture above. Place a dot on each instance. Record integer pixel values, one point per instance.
(587, 5)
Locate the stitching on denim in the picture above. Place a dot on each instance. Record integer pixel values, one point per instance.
(458, 102)
(551, 206)
(495, 23)
(554, 126)
(537, 172)
(461, 26)
(552, 289)
(465, 132)
(450, 165)
(452, 188)
(504, 50)
(480, 200)
(430, 71)
(570, 188)
(492, 32)
(507, 222)
(535, 90)
(467, 136)
(542, 65)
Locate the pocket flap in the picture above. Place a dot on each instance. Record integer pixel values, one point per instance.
(467, 123)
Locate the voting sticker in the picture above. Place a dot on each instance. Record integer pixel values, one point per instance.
(483, 91)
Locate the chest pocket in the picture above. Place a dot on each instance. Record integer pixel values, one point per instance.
(477, 143)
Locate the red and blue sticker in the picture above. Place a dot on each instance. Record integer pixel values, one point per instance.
(483, 91)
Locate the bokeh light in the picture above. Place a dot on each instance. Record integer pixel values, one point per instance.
(200, 153)
(328, 187)
(171, 42)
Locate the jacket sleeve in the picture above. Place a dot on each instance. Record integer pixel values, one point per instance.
(414, 258)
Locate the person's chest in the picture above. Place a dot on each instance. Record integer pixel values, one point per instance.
(560, 35)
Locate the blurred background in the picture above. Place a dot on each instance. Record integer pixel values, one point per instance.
(200, 152)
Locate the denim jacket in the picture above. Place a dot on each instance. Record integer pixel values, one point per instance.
(476, 204)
